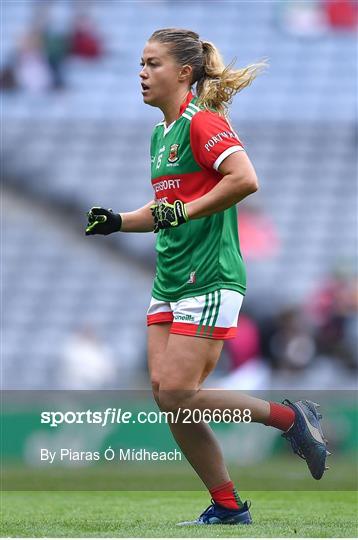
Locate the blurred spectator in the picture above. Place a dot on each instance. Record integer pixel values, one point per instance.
(291, 344)
(246, 345)
(334, 312)
(38, 64)
(302, 18)
(31, 68)
(8, 75)
(258, 236)
(56, 49)
(85, 41)
(315, 17)
(53, 24)
(248, 371)
(341, 14)
(86, 363)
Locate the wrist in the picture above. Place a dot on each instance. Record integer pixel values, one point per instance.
(118, 221)
(189, 210)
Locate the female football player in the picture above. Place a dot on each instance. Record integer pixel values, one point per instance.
(200, 171)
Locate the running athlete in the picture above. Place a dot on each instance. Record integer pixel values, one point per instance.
(200, 171)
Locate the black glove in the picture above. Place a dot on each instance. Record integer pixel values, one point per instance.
(102, 221)
(169, 215)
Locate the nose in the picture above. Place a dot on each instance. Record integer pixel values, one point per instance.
(143, 73)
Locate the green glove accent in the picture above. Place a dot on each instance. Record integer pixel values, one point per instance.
(167, 215)
(102, 221)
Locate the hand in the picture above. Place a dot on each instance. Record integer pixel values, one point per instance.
(102, 221)
(167, 215)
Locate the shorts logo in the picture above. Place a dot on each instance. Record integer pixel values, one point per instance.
(192, 277)
(184, 318)
(173, 153)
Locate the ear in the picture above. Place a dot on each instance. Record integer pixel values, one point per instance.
(185, 73)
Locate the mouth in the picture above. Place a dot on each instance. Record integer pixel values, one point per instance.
(145, 88)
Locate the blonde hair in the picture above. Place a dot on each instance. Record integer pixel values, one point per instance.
(216, 84)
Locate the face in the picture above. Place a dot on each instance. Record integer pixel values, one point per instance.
(161, 77)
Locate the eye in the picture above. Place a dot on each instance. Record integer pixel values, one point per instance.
(150, 63)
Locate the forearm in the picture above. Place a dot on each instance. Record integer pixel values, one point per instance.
(140, 220)
(228, 192)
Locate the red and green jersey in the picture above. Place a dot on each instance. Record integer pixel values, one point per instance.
(204, 254)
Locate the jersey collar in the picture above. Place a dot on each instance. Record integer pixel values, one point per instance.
(183, 106)
(185, 103)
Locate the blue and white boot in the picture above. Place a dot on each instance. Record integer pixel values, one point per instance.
(218, 515)
(306, 436)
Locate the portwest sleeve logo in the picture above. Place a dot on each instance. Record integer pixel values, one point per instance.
(173, 153)
(219, 137)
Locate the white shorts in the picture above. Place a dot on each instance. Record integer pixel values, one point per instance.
(213, 315)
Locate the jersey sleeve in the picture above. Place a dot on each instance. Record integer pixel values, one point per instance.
(212, 139)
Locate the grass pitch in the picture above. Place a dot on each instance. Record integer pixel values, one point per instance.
(154, 514)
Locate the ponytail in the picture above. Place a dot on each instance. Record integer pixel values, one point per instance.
(219, 83)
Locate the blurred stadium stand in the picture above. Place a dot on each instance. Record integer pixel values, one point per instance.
(89, 144)
(55, 286)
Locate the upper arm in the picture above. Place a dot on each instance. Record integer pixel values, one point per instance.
(239, 165)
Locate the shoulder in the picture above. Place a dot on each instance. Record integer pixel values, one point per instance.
(191, 111)
(211, 127)
(209, 119)
(212, 138)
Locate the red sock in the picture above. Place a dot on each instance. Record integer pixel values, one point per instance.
(227, 496)
(281, 416)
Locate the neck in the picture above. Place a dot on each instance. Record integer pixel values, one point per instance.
(172, 108)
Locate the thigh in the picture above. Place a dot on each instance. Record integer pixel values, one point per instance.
(158, 335)
(159, 319)
(188, 361)
(200, 326)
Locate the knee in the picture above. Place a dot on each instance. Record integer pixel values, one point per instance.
(155, 390)
(172, 400)
(167, 400)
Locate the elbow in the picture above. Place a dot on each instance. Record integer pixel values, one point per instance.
(249, 185)
(253, 182)
(253, 185)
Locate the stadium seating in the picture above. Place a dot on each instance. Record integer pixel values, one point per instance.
(48, 300)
